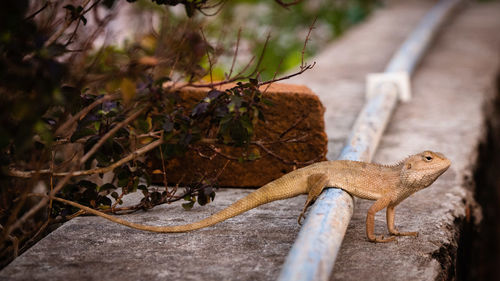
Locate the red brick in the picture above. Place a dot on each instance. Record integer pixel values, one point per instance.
(291, 104)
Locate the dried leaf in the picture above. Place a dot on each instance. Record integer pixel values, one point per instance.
(148, 60)
(128, 90)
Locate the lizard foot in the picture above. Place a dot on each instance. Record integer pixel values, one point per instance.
(397, 233)
(381, 239)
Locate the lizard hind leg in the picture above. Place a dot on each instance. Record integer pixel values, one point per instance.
(315, 185)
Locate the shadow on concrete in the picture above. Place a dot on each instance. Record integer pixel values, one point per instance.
(479, 247)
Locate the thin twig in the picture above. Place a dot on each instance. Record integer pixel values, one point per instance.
(261, 57)
(297, 122)
(274, 76)
(311, 27)
(38, 206)
(38, 11)
(210, 65)
(302, 70)
(32, 239)
(70, 175)
(141, 151)
(292, 162)
(73, 33)
(218, 151)
(131, 156)
(164, 170)
(286, 5)
(91, 7)
(109, 134)
(235, 54)
(219, 4)
(60, 32)
(303, 66)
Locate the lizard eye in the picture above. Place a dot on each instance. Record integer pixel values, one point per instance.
(428, 158)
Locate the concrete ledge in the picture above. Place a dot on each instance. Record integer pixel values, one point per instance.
(450, 88)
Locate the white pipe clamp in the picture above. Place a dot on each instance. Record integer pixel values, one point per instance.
(401, 80)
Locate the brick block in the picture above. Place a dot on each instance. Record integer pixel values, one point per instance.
(296, 113)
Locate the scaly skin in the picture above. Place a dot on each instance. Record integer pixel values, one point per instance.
(387, 185)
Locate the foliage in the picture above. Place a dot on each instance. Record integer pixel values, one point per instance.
(71, 112)
(289, 26)
(67, 115)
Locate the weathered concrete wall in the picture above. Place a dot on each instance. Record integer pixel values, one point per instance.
(450, 88)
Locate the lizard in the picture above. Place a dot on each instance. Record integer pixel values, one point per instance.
(388, 185)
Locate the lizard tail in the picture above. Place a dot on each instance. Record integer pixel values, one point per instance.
(268, 193)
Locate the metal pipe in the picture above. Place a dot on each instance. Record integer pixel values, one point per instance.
(314, 252)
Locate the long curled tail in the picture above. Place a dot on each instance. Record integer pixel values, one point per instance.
(268, 193)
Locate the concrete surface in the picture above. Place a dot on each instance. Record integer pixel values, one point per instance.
(450, 87)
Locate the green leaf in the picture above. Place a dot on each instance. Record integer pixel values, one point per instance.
(135, 185)
(128, 90)
(247, 125)
(71, 8)
(234, 104)
(254, 155)
(161, 80)
(267, 102)
(108, 3)
(107, 186)
(87, 184)
(189, 9)
(123, 182)
(103, 201)
(188, 206)
(97, 126)
(81, 133)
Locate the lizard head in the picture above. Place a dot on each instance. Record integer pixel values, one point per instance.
(421, 170)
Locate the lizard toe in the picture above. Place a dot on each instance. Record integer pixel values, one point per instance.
(397, 233)
(381, 239)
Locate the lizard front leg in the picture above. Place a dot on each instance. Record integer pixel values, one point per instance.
(315, 185)
(370, 220)
(390, 223)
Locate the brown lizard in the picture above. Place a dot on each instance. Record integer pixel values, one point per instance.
(387, 185)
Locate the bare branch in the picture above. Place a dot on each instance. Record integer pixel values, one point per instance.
(294, 125)
(235, 54)
(19, 222)
(131, 156)
(38, 11)
(303, 66)
(311, 27)
(290, 162)
(302, 70)
(289, 4)
(210, 65)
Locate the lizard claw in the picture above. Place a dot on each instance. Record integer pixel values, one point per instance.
(301, 216)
